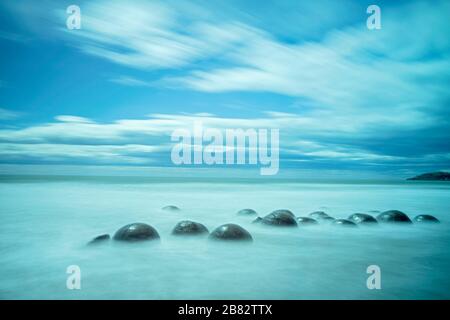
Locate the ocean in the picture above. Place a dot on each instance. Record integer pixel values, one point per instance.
(45, 223)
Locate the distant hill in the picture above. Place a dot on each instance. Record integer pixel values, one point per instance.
(433, 176)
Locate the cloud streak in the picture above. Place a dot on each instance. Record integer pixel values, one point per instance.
(6, 114)
(147, 141)
(131, 82)
(366, 98)
(351, 72)
(152, 35)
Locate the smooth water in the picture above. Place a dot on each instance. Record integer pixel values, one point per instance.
(46, 223)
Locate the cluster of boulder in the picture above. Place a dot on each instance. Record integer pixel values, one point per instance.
(281, 218)
(287, 218)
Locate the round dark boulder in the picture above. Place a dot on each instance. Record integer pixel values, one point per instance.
(247, 212)
(393, 216)
(344, 223)
(318, 215)
(186, 227)
(257, 220)
(327, 219)
(136, 232)
(280, 218)
(284, 211)
(231, 231)
(362, 218)
(170, 208)
(306, 221)
(99, 239)
(426, 218)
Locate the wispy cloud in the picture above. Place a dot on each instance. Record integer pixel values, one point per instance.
(6, 114)
(131, 82)
(351, 71)
(152, 35)
(73, 119)
(100, 154)
(366, 97)
(130, 141)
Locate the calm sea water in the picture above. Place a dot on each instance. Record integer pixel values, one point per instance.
(46, 222)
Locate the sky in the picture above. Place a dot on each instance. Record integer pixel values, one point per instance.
(111, 93)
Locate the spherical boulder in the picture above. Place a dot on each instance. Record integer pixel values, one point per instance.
(247, 212)
(306, 221)
(230, 231)
(326, 219)
(393, 216)
(426, 218)
(257, 220)
(362, 218)
(170, 208)
(318, 215)
(186, 228)
(136, 232)
(343, 223)
(284, 211)
(99, 239)
(280, 218)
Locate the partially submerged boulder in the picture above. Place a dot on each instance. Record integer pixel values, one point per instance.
(344, 223)
(170, 208)
(306, 221)
(284, 211)
(393, 216)
(136, 232)
(318, 215)
(280, 218)
(362, 218)
(99, 239)
(257, 220)
(327, 219)
(230, 231)
(247, 212)
(187, 227)
(426, 218)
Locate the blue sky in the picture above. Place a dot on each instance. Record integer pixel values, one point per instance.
(343, 97)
